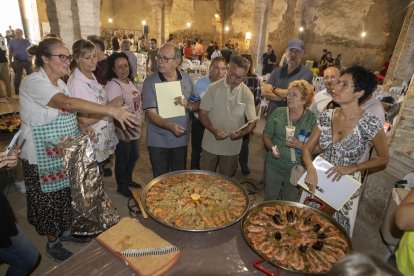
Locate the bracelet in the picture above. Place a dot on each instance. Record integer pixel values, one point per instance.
(189, 107)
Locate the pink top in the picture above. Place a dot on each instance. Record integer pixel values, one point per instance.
(132, 97)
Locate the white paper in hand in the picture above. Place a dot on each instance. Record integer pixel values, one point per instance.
(337, 193)
(166, 93)
(248, 124)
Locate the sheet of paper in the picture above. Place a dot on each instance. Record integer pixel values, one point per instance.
(337, 193)
(166, 93)
(248, 124)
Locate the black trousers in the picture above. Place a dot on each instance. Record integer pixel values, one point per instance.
(244, 155)
(197, 132)
(164, 160)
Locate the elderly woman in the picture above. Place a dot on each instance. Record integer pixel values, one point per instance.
(127, 150)
(83, 84)
(279, 162)
(342, 135)
(48, 114)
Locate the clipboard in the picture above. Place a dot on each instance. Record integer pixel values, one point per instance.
(166, 93)
(337, 193)
(247, 124)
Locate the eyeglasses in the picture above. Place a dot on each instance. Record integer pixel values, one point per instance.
(63, 57)
(237, 78)
(163, 59)
(343, 84)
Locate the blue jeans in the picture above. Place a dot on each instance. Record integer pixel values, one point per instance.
(126, 155)
(21, 255)
(164, 160)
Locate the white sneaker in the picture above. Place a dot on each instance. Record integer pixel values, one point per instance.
(21, 187)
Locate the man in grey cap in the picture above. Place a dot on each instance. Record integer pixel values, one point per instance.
(132, 59)
(276, 88)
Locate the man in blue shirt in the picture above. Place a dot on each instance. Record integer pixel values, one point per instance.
(217, 71)
(276, 88)
(167, 137)
(19, 58)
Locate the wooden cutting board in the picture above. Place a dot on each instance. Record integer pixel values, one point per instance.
(130, 234)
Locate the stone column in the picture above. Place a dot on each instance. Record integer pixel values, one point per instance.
(401, 65)
(62, 22)
(167, 22)
(158, 9)
(30, 20)
(259, 33)
(89, 12)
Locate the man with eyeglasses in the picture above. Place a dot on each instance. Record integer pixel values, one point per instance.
(223, 110)
(151, 61)
(324, 97)
(276, 88)
(19, 58)
(217, 71)
(167, 138)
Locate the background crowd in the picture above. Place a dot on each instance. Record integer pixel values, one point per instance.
(100, 99)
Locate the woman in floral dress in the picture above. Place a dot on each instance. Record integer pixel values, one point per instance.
(342, 135)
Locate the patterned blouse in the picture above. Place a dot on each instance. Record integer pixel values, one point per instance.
(350, 149)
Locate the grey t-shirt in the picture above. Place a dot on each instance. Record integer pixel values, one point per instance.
(158, 136)
(280, 79)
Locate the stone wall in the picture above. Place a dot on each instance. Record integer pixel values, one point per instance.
(335, 25)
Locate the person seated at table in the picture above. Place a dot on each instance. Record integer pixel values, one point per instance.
(15, 247)
(404, 219)
(278, 164)
(343, 135)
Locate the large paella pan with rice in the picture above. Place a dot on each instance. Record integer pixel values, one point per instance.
(10, 122)
(295, 237)
(195, 200)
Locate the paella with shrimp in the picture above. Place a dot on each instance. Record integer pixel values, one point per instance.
(195, 200)
(295, 237)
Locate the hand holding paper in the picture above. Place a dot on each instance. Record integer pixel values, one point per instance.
(247, 124)
(337, 193)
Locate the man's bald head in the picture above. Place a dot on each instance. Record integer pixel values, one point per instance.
(330, 78)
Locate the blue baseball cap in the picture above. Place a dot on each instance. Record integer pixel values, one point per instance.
(297, 44)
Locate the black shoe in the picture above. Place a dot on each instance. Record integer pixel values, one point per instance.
(107, 172)
(58, 252)
(134, 184)
(76, 239)
(125, 192)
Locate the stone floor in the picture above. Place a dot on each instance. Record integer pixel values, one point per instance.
(143, 175)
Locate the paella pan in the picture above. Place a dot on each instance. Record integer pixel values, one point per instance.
(295, 237)
(195, 200)
(10, 122)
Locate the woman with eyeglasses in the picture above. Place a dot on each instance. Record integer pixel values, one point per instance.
(82, 84)
(127, 151)
(280, 160)
(48, 114)
(342, 136)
